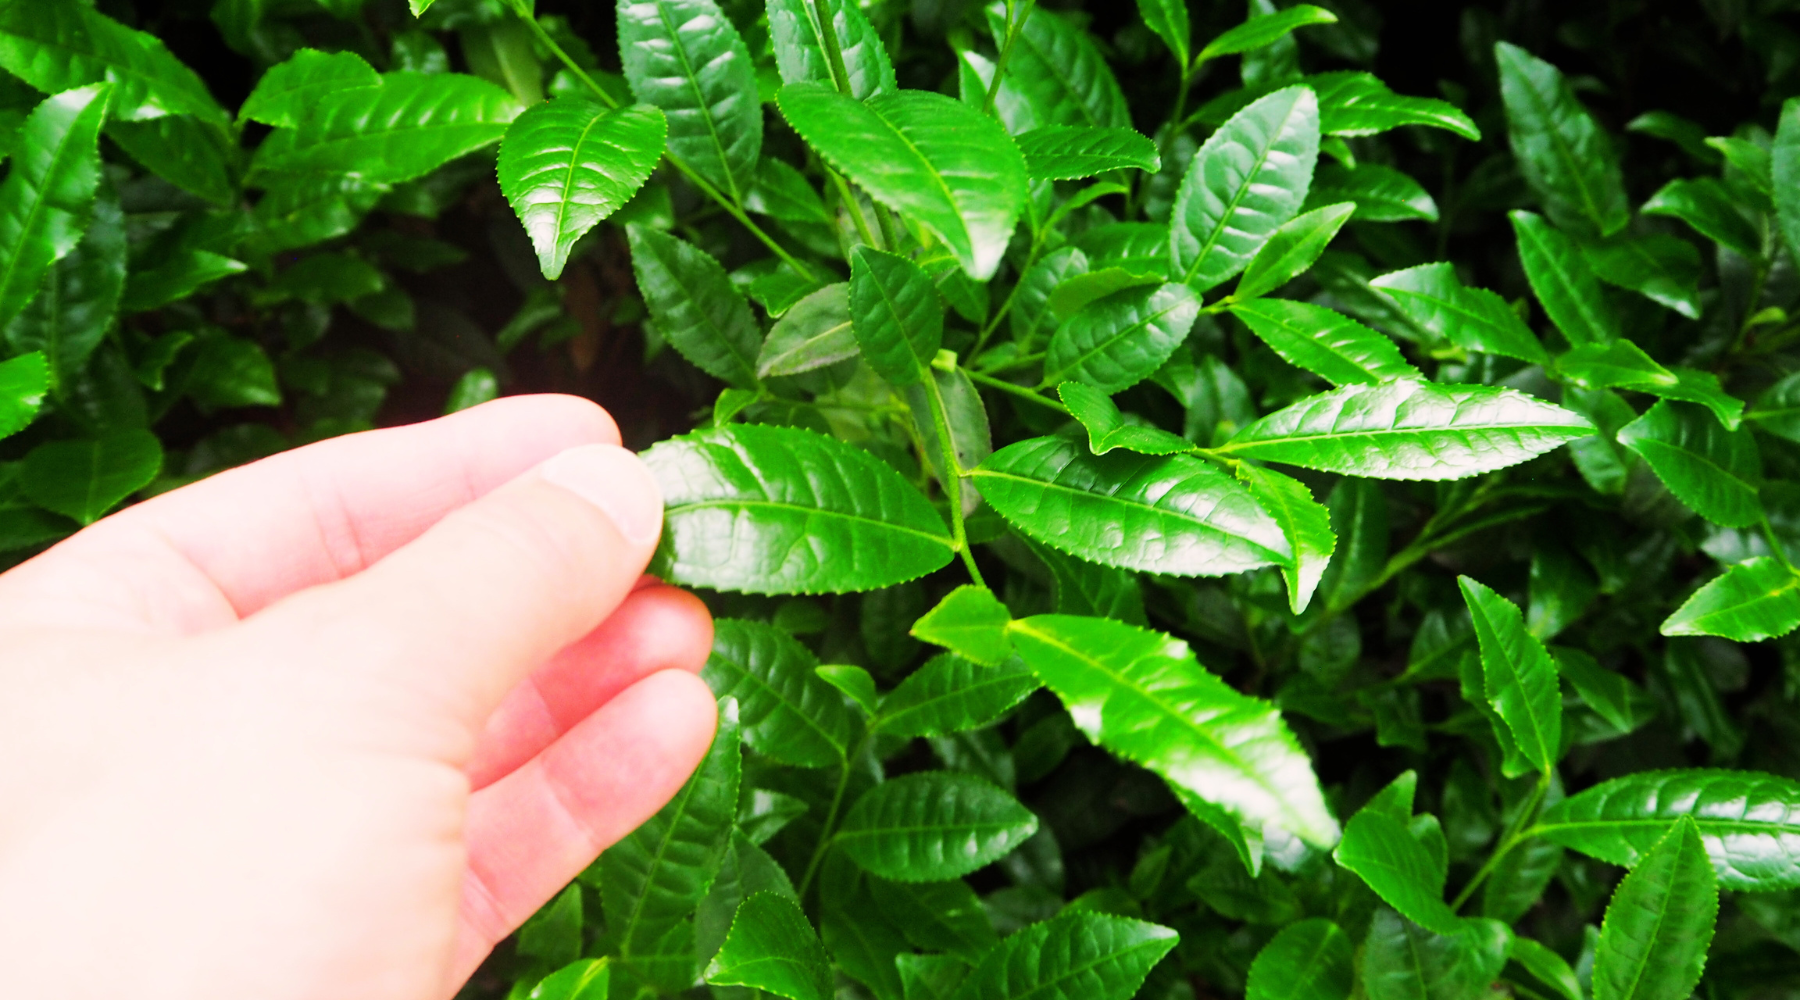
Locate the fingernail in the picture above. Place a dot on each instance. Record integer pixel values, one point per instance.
(614, 480)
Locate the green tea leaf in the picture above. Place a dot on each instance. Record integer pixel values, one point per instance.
(1410, 430)
(1618, 364)
(1075, 956)
(1176, 514)
(950, 695)
(1549, 967)
(1564, 282)
(685, 57)
(1059, 70)
(934, 160)
(1562, 152)
(1472, 318)
(1659, 923)
(1380, 193)
(1069, 152)
(286, 94)
(24, 382)
(1291, 250)
(1402, 961)
(75, 305)
(971, 621)
(1713, 471)
(814, 333)
(60, 45)
(1521, 680)
(787, 712)
(895, 314)
(85, 479)
(741, 500)
(1378, 848)
(695, 306)
(1305, 522)
(1784, 170)
(1118, 341)
(198, 157)
(1169, 20)
(933, 825)
(772, 947)
(1706, 204)
(1107, 428)
(1359, 104)
(1615, 698)
(936, 916)
(784, 193)
(800, 49)
(1249, 178)
(1658, 266)
(1262, 31)
(1309, 960)
(569, 163)
(1142, 695)
(1752, 601)
(587, 979)
(1331, 345)
(48, 195)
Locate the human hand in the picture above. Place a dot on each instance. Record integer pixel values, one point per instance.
(333, 724)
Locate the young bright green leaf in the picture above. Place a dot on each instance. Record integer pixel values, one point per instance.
(288, 92)
(1564, 282)
(1549, 967)
(813, 333)
(1075, 956)
(934, 160)
(801, 51)
(1473, 318)
(1169, 20)
(1069, 152)
(937, 916)
(1115, 342)
(784, 193)
(1520, 677)
(895, 314)
(198, 157)
(965, 423)
(1563, 153)
(1410, 430)
(1305, 522)
(1402, 961)
(1752, 601)
(950, 694)
(24, 382)
(1706, 204)
(1142, 695)
(772, 947)
(1176, 514)
(1380, 193)
(1079, 291)
(1660, 267)
(48, 195)
(1309, 960)
(569, 163)
(1660, 922)
(787, 711)
(1262, 31)
(1784, 171)
(695, 306)
(76, 302)
(1059, 70)
(1107, 428)
(1291, 250)
(1747, 820)
(1714, 471)
(60, 45)
(1249, 178)
(971, 621)
(1614, 364)
(1693, 385)
(1331, 345)
(933, 825)
(85, 479)
(1358, 104)
(854, 683)
(1378, 848)
(685, 57)
(587, 979)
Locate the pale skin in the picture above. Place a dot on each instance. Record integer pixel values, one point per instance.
(334, 724)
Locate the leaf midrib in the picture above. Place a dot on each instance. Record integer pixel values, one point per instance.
(1106, 343)
(793, 709)
(678, 508)
(40, 188)
(706, 111)
(1218, 229)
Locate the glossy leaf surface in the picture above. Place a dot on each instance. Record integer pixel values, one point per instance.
(1474, 318)
(950, 694)
(801, 50)
(60, 45)
(1560, 149)
(1660, 921)
(686, 58)
(86, 479)
(1755, 600)
(933, 825)
(1107, 427)
(812, 333)
(1520, 677)
(1329, 344)
(971, 621)
(1378, 848)
(1305, 522)
(896, 315)
(1714, 471)
(1118, 341)
(1068, 152)
(1092, 956)
(786, 711)
(1309, 960)
(772, 947)
(48, 194)
(696, 307)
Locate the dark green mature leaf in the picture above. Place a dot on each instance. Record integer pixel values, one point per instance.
(1563, 153)
(896, 315)
(1249, 178)
(1714, 471)
(1378, 848)
(1262, 31)
(965, 425)
(1472, 318)
(1069, 152)
(1660, 267)
(567, 164)
(1305, 522)
(1520, 677)
(1380, 193)
(1360, 104)
(801, 50)
(971, 621)
(772, 947)
(1142, 695)
(936, 916)
(1752, 601)
(1706, 204)
(1175, 514)
(934, 160)
(652, 879)
(59, 45)
(75, 305)
(24, 382)
(950, 694)
(783, 510)
(1310, 960)
(48, 194)
(1784, 171)
(85, 479)
(1616, 699)
(1107, 427)
(1410, 430)
(1747, 822)
(182, 274)
(1117, 341)
(1291, 250)
(1329, 344)
(788, 713)
(813, 333)
(933, 825)
(1564, 282)
(287, 93)
(1059, 70)
(695, 306)
(1660, 922)
(1519, 879)
(685, 57)
(1402, 961)
(198, 157)
(1547, 966)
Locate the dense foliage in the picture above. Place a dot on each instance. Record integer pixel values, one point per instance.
(1186, 519)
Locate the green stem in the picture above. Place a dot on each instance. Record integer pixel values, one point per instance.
(1775, 546)
(1023, 361)
(1520, 830)
(1015, 19)
(1012, 296)
(848, 197)
(834, 53)
(543, 37)
(826, 832)
(954, 487)
(1756, 290)
(1017, 390)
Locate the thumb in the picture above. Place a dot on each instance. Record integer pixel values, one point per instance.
(465, 611)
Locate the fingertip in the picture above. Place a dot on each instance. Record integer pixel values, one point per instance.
(573, 419)
(684, 621)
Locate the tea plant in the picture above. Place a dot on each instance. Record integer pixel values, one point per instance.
(1082, 479)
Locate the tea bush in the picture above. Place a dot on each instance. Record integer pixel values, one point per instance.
(1186, 518)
